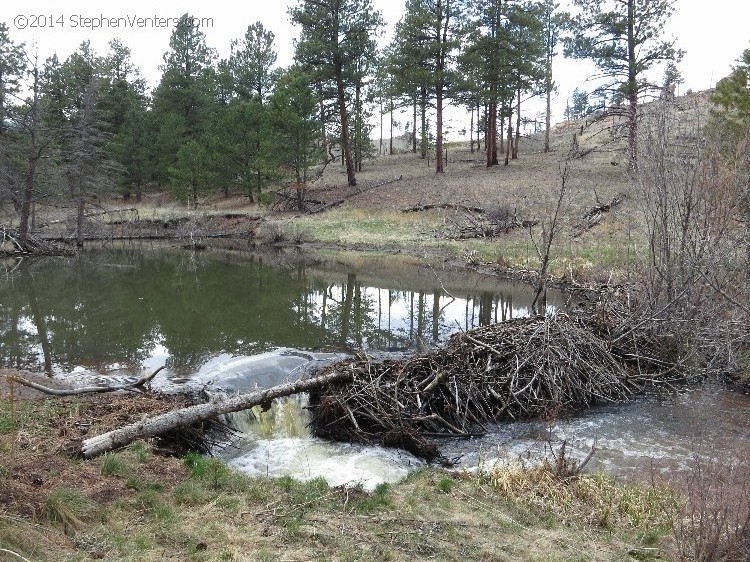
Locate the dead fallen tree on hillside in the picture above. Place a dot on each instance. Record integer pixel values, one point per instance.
(298, 198)
(595, 215)
(474, 222)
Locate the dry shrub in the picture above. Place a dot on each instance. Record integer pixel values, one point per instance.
(713, 523)
(598, 499)
(692, 288)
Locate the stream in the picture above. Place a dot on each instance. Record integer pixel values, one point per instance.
(232, 323)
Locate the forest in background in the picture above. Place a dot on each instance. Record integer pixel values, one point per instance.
(86, 126)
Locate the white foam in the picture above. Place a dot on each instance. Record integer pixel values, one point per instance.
(340, 464)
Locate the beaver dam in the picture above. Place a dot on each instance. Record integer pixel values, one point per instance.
(537, 367)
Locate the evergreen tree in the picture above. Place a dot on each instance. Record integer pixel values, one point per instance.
(76, 88)
(12, 70)
(124, 105)
(186, 91)
(407, 60)
(336, 36)
(293, 113)
(251, 63)
(191, 172)
(243, 148)
(553, 23)
(581, 107)
(240, 138)
(12, 66)
(623, 38)
(434, 27)
(732, 95)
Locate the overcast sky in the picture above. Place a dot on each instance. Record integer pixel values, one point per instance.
(712, 34)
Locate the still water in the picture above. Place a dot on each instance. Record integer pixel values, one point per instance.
(234, 323)
(124, 311)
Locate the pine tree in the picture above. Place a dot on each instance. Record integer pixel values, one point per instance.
(408, 61)
(293, 115)
(12, 70)
(553, 23)
(12, 66)
(124, 105)
(186, 92)
(336, 36)
(732, 95)
(251, 63)
(623, 38)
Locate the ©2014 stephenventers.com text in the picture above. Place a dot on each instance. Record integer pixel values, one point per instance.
(100, 21)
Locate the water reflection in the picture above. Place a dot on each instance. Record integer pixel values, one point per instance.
(129, 310)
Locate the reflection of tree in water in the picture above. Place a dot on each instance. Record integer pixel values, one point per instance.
(117, 308)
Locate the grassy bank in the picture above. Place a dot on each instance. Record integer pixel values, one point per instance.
(138, 505)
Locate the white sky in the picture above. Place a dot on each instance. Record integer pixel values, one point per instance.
(713, 35)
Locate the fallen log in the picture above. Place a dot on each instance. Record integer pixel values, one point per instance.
(338, 202)
(595, 215)
(452, 206)
(86, 389)
(157, 425)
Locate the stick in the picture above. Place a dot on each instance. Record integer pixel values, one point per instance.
(454, 206)
(86, 389)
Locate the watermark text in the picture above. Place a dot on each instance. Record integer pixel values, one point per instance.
(100, 21)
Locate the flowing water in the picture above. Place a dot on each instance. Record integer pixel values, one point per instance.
(235, 323)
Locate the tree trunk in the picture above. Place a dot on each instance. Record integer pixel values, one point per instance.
(162, 423)
(439, 130)
(322, 109)
(358, 128)
(632, 89)
(380, 150)
(479, 118)
(502, 135)
(490, 144)
(548, 88)
(509, 143)
(423, 143)
(442, 32)
(471, 131)
(80, 221)
(345, 141)
(390, 147)
(514, 154)
(414, 128)
(32, 160)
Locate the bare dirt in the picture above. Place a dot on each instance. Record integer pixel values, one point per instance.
(37, 460)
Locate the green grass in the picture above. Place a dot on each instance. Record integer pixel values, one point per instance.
(68, 507)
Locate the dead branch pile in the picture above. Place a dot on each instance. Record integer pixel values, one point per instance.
(474, 222)
(11, 245)
(595, 215)
(524, 368)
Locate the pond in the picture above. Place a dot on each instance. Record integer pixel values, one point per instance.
(236, 322)
(127, 310)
